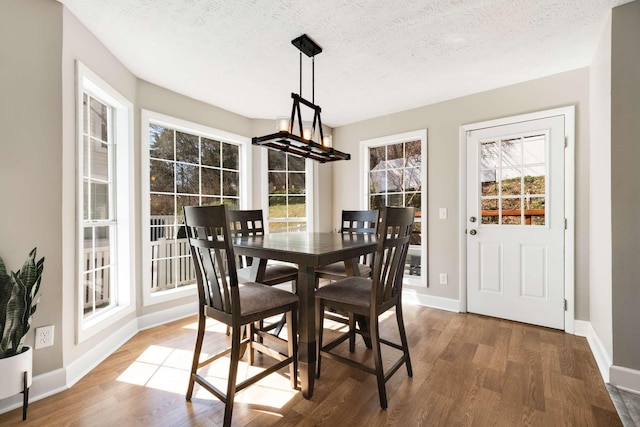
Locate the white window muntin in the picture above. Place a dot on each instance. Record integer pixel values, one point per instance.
(153, 118)
(121, 204)
(365, 145)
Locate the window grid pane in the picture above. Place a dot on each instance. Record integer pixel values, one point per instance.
(287, 192)
(186, 169)
(98, 208)
(395, 179)
(513, 181)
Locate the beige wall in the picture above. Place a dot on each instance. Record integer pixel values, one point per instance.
(442, 122)
(625, 183)
(31, 154)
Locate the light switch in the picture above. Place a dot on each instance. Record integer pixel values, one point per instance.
(443, 213)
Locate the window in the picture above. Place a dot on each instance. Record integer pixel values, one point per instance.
(186, 165)
(287, 180)
(104, 248)
(513, 177)
(395, 175)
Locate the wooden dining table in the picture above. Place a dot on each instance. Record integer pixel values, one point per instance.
(309, 251)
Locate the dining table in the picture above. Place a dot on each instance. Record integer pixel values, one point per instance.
(309, 251)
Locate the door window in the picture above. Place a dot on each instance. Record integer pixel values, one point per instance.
(513, 184)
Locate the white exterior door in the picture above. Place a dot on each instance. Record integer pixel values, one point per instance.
(515, 221)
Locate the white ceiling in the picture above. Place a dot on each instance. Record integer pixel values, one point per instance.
(379, 56)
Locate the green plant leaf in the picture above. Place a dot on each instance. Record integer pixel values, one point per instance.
(21, 304)
(5, 293)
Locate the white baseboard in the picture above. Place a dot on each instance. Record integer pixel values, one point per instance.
(92, 358)
(152, 320)
(412, 297)
(584, 328)
(625, 379)
(53, 382)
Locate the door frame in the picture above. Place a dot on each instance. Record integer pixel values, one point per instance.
(568, 113)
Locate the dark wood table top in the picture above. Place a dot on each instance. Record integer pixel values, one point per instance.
(311, 249)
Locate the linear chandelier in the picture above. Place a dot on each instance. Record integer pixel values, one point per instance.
(303, 144)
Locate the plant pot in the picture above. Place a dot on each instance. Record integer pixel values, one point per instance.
(13, 369)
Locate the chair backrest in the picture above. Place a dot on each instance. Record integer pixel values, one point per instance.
(391, 254)
(360, 222)
(246, 223)
(211, 250)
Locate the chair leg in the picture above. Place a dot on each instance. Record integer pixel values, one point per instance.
(292, 345)
(280, 325)
(319, 330)
(374, 330)
(352, 333)
(236, 334)
(249, 332)
(403, 339)
(196, 354)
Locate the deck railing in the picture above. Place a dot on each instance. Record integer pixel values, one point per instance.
(528, 214)
(171, 267)
(101, 290)
(171, 264)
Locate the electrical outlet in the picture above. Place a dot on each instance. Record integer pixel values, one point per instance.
(44, 337)
(443, 278)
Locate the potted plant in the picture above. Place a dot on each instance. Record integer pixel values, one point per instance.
(18, 302)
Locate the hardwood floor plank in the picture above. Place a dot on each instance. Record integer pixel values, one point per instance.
(469, 370)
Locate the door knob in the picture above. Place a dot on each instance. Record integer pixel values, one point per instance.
(473, 232)
(472, 219)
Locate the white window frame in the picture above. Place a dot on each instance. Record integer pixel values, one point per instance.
(310, 183)
(416, 135)
(123, 274)
(150, 117)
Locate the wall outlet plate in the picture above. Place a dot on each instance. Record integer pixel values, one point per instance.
(443, 278)
(44, 337)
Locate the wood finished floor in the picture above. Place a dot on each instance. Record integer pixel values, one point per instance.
(468, 370)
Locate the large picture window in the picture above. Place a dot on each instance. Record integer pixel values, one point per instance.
(104, 205)
(395, 175)
(187, 165)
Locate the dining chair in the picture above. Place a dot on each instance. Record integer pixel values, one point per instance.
(237, 305)
(251, 223)
(371, 297)
(353, 222)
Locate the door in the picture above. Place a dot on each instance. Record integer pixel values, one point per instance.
(515, 221)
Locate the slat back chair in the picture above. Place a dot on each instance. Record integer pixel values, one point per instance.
(353, 222)
(371, 298)
(235, 305)
(251, 223)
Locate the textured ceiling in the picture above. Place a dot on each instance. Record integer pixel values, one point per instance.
(379, 56)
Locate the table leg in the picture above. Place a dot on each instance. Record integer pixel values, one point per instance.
(306, 329)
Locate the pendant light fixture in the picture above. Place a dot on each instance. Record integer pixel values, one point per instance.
(303, 143)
